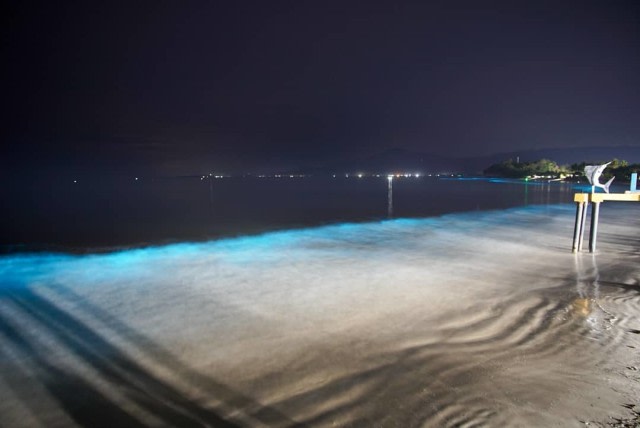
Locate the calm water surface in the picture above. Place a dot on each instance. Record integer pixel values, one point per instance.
(100, 215)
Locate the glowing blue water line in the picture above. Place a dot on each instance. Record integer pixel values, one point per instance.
(28, 268)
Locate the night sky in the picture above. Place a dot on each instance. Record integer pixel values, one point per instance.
(199, 86)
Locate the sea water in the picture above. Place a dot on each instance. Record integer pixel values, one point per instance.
(409, 316)
(97, 214)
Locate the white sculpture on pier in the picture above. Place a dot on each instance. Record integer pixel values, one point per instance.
(593, 173)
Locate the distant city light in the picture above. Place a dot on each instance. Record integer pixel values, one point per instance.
(348, 175)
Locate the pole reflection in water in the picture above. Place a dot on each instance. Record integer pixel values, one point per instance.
(211, 195)
(390, 197)
(587, 286)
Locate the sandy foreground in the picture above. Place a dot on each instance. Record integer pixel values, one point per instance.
(479, 319)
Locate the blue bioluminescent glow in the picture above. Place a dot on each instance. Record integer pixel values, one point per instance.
(374, 239)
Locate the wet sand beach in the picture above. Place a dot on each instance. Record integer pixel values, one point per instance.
(477, 319)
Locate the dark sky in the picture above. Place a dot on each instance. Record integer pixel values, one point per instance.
(200, 86)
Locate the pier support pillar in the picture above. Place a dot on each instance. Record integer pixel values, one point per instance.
(579, 226)
(593, 235)
(582, 200)
(583, 224)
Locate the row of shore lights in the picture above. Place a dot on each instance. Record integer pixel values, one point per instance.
(388, 176)
(391, 176)
(211, 176)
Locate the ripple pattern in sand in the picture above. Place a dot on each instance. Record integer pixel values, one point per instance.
(502, 366)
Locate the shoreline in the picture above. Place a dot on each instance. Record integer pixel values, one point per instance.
(84, 220)
(44, 249)
(481, 317)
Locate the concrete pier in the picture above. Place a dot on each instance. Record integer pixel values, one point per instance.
(595, 199)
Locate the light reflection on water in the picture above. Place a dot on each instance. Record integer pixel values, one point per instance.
(390, 197)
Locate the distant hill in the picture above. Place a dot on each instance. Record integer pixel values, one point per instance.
(389, 161)
(396, 160)
(561, 156)
(400, 160)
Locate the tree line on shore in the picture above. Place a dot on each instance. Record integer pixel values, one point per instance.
(619, 169)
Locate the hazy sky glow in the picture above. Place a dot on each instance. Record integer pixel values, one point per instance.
(199, 85)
